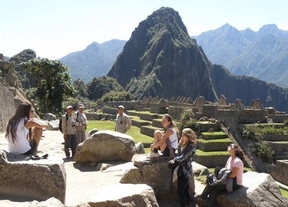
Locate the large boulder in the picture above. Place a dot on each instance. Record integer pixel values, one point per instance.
(259, 189)
(124, 195)
(153, 172)
(29, 179)
(105, 145)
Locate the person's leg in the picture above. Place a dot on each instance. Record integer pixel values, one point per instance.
(187, 194)
(182, 184)
(73, 144)
(36, 135)
(78, 136)
(67, 145)
(192, 185)
(83, 136)
(157, 135)
(214, 193)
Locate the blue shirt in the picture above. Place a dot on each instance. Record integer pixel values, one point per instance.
(184, 159)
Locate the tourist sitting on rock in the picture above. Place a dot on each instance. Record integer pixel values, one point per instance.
(166, 141)
(186, 150)
(24, 132)
(235, 166)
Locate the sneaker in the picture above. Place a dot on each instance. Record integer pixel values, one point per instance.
(154, 154)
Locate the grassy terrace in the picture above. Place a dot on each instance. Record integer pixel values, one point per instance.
(211, 153)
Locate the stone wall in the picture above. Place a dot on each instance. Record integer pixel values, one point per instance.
(279, 171)
(128, 105)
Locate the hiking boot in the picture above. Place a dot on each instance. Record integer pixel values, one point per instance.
(154, 154)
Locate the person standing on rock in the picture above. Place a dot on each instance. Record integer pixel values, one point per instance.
(235, 165)
(123, 122)
(80, 123)
(24, 132)
(68, 129)
(186, 151)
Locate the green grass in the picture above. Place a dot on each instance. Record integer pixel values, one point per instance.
(284, 193)
(225, 140)
(215, 153)
(110, 125)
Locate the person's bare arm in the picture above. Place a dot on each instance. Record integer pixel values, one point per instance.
(33, 122)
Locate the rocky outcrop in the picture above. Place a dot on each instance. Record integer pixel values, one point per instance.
(29, 179)
(259, 189)
(105, 145)
(125, 195)
(153, 172)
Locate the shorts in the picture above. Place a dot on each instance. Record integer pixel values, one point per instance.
(33, 146)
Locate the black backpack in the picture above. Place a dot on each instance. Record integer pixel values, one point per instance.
(60, 122)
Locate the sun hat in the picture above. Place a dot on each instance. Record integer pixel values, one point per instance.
(121, 106)
(81, 106)
(69, 107)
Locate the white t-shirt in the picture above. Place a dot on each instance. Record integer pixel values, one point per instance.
(21, 144)
(173, 138)
(236, 162)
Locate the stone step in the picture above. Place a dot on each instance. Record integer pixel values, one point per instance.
(213, 144)
(149, 130)
(143, 115)
(139, 123)
(205, 126)
(279, 147)
(213, 135)
(271, 137)
(157, 123)
(211, 159)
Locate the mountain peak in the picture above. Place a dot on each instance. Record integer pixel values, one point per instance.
(159, 56)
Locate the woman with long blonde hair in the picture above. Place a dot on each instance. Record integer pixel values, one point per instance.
(186, 150)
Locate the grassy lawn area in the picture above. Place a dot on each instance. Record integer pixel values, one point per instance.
(284, 192)
(133, 131)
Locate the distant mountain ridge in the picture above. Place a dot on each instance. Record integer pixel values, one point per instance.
(261, 54)
(160, 59)
(94, 61)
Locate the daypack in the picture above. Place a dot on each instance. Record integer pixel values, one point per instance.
(60, 122)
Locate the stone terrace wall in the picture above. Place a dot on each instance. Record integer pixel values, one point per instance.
(280, 171)
(128, 105)
(248, 116)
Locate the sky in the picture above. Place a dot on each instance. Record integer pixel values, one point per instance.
(55, 28)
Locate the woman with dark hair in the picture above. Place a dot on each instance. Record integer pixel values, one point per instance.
(235, 165)
(166, 141)
(186, 150)
(23, 131)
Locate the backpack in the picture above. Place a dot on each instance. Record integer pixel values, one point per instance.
(60, 122)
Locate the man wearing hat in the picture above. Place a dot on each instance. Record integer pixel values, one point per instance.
(80, 123)
(68, 129)
(123, 122)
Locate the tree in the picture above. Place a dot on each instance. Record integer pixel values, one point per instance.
(81, 88)
(102, 85)
(52, 82)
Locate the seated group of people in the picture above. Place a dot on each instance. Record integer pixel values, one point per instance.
(166, 142)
